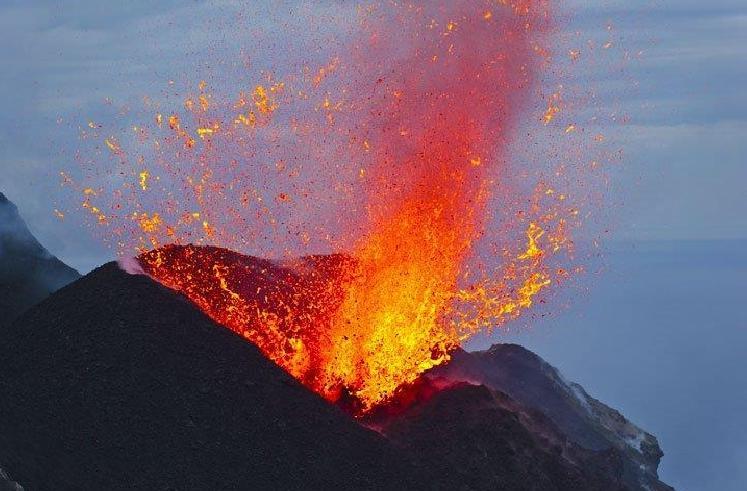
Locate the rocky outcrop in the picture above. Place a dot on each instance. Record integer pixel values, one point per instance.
(587, 422)
(493, 442)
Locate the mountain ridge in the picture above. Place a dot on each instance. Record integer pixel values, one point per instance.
(28, 272)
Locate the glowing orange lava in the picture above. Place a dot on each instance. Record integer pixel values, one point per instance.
(395, 152)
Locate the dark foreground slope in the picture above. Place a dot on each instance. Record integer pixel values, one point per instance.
(28, 272)
(115, 382)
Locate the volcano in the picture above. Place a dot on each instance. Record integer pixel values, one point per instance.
(116, 382)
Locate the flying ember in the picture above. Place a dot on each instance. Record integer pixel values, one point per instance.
(377, 177)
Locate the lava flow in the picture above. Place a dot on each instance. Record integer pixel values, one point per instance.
(407, 129)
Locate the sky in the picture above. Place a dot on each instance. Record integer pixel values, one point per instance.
(683, 163)
(680, 184)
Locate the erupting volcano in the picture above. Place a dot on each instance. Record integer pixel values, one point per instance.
(385, 172)
(319, 215)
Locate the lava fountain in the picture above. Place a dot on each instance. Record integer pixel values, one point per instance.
(408, 129)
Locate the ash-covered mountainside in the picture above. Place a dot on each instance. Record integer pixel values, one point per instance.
(28, 272)
(115, 382)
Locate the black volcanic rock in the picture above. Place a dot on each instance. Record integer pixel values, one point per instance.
(115, 382)
(587, 422)
(495, 443)
(28, 272)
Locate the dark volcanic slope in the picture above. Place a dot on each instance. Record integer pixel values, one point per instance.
(28, 272)
(533, 383)
(493, 442)
(115, 382)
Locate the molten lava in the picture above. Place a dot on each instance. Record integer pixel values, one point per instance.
(336, 323)
(393, 152)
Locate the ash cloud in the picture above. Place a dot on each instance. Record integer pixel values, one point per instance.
(130, 265)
